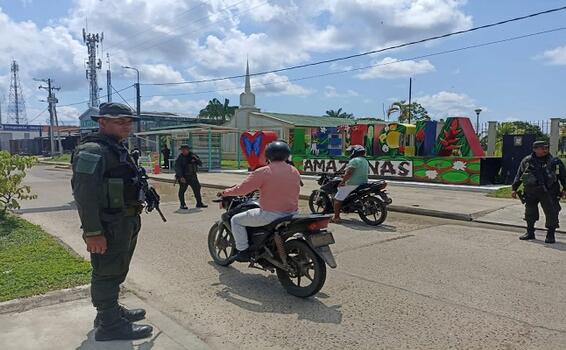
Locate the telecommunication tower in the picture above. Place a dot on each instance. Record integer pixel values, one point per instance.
(16, 102)
(93, 65)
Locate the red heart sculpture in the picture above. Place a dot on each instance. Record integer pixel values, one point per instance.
(253, 146)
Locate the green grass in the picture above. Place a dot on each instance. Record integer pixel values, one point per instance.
(32, 262)
(504, 192)
(64, 158)
(232, 164)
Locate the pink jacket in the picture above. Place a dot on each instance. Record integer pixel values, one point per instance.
(279, 185)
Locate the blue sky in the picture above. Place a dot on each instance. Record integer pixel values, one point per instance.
(518, 80)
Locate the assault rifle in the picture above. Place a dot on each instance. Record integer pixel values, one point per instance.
(148, 194)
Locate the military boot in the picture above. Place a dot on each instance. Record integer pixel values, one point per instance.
(115, 327)
(530, 232)
(132, 315)
(550, 236)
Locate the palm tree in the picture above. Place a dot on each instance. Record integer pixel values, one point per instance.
(218, 111)
(407, 113)
(338, 114)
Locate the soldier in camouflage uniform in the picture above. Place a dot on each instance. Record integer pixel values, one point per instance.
(107, 194)
(542, 175)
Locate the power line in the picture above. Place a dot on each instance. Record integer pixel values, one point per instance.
(38, 115)
(343, 58)
(122, 97)
(150, 28)
(86, 101)
(375, 65)
(161, 42)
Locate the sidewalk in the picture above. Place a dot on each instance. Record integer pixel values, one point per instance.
(68, 325)
(456, 204)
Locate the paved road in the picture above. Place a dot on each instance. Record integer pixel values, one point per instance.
(416, 282)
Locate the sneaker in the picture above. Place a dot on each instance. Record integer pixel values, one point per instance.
(183, 207)
(201, 205)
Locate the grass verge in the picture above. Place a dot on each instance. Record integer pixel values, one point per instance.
(32, 262)
(504, 192)
(232, 164)
(64, 158)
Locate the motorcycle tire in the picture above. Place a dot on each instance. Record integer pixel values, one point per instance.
(373, 212)
(221, 240)
(299, 254)
(320, 203)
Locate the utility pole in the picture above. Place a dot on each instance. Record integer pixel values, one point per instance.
(52, 101)
(93, 65)
(138, 103)
(108, 79)
(410, 94)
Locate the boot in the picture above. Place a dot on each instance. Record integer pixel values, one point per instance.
(530, 232)
(114, 327)
(550, 236)
(242, 255)
(132, 315)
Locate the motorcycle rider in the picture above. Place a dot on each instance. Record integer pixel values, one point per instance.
(356, 174)
(279, 187)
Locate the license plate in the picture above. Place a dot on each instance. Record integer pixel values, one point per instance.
(321, 239)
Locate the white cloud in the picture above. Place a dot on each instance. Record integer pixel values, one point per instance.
(555, 56)
(68, 115)
(160, 103)
(275, 84)
(448, 104)
(392, 68)
(332, 92)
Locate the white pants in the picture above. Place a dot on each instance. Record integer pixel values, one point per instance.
(251, 218)
(344, 191)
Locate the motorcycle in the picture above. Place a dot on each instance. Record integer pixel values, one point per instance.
(369, 200)
(296, 247)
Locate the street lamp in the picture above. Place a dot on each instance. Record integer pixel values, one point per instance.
(138, 102)
(478, 111)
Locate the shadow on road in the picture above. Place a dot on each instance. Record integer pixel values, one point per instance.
(360, 226)
(558, 245)
(265, 295)
(90, 344)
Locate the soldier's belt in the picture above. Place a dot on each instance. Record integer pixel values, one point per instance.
(133, 211)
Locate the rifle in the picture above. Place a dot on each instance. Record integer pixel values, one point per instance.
(148, 194)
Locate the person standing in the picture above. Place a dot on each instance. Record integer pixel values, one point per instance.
(106, 191)
(542, 175)
(186, 168)
(166, 153)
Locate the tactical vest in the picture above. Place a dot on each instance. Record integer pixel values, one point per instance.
(121, 176)
(531, 179)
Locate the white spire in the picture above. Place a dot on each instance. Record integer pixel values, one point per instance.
(248, 88)
(247, 98)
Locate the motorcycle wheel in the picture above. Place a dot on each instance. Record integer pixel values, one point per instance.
(221, 245)
(306, 266)
(373, 212)
(320, 203)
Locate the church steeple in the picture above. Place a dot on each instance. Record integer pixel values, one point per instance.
(247, 98)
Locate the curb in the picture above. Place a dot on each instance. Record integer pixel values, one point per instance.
(393, 208)
(56, 164)
(50, 298)
(480, 221)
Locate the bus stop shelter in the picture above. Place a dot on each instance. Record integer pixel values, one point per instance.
(205, 140)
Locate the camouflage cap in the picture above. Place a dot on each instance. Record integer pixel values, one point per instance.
(537, 144)
(114, 111)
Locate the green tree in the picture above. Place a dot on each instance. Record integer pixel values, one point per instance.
(12, 173)
(218, 111)
(338, 114)
(413, 113)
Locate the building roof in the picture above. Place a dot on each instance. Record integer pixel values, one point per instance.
(306, 120)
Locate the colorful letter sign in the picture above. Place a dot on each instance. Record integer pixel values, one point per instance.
(253, 146)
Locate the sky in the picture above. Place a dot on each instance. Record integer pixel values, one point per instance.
(185, 40)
